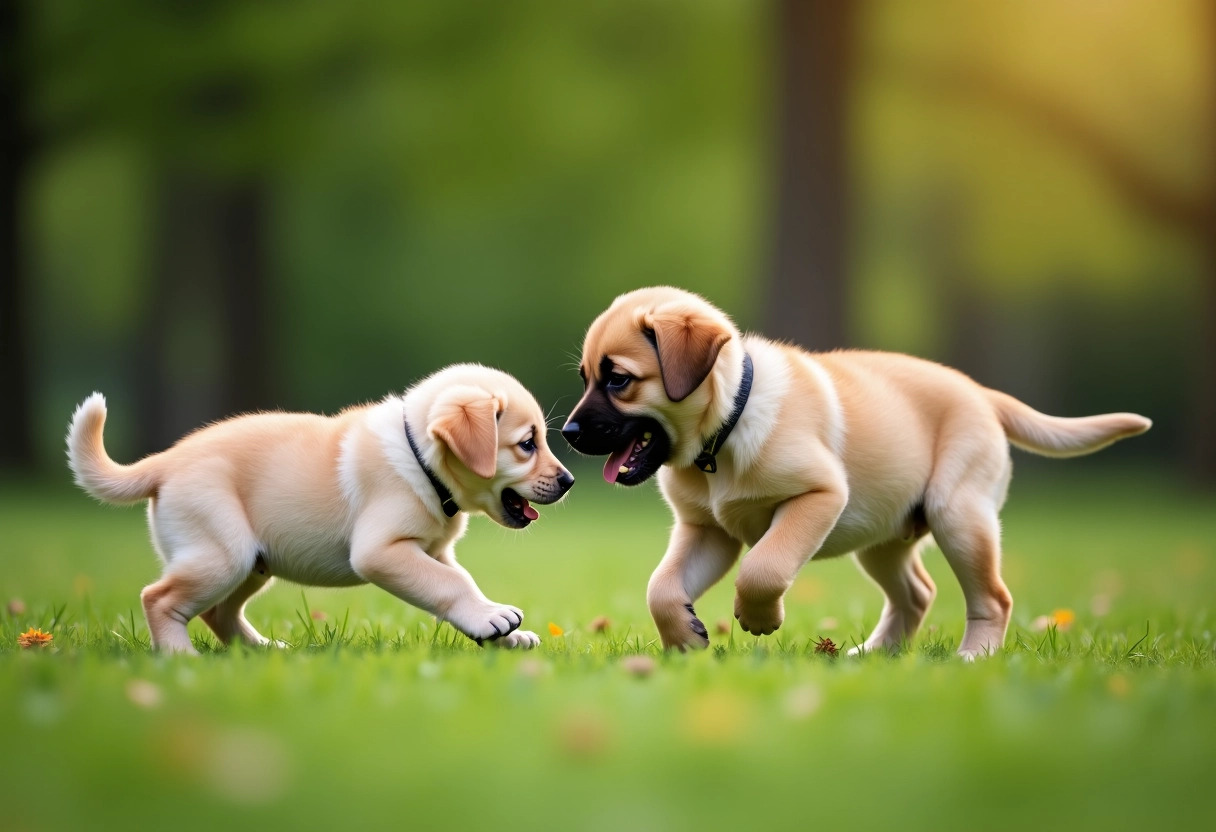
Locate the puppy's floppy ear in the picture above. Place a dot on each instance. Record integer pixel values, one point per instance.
(465, 418)
(688, 344)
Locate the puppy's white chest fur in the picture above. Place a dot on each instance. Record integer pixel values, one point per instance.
(760, 469)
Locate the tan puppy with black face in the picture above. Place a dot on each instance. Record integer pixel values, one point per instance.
(802, 456)
(377, 494)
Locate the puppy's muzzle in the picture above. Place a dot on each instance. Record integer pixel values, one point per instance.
(595, 434)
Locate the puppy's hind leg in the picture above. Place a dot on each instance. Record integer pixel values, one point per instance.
(194, 581)
(227, 618)
(897, 569)
(968, 533)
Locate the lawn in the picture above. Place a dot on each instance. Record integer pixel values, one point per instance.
(376, 717)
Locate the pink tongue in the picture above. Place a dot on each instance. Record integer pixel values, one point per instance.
(530, 512)
(612, 467)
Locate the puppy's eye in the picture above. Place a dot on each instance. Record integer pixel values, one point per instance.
(528, 445)
(616, 382)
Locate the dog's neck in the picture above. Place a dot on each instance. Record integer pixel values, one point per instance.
(707, 460)
(446, 501)
(713, 403)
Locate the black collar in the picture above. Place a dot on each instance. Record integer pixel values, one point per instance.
(445, 496)
(705, 461)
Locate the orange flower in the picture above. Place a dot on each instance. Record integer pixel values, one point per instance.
(1063, 618)
(34, 638)
(555, 630)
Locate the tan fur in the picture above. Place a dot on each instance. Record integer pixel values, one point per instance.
(330, 501)
(841, 452)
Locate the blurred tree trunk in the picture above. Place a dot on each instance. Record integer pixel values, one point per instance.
(16, 428)
(807, 299)
(203, 351)
(242, 219)
(1204, 426)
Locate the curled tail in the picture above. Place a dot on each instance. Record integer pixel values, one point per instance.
(1046, 435)
(95, 472)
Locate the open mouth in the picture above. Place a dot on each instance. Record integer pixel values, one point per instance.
(643, 453)
(516, 510)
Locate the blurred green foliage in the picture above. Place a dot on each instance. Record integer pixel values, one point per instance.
(475, 181)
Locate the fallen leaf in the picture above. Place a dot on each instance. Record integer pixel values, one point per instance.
(826, 646)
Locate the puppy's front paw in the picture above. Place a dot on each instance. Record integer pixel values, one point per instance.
(485, 620)
(682, 630)
(518, 640)
(759, 616)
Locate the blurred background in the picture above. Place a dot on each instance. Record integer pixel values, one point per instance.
(210, 207)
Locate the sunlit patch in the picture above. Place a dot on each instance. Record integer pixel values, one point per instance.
(716, 717)
(802, 701)
(143, 694)
(246, 766)
(583, 733)
(533, 668)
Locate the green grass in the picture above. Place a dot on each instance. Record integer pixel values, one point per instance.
(375, 716)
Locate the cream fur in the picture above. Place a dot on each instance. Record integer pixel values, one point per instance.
(324, 501)
(839, 452)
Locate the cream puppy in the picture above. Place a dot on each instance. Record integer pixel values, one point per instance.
(377, 494)
(805, 456)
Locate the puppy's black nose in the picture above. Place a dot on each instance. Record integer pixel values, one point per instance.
(564, 480)
(571, 432)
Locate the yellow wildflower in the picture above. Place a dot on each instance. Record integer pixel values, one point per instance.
(1063, 618)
